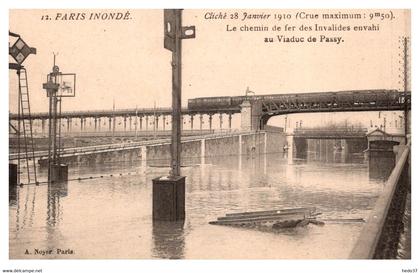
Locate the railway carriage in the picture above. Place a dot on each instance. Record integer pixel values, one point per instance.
(304, 100)
(209, 103)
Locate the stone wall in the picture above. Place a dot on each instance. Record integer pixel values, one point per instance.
(193, 152)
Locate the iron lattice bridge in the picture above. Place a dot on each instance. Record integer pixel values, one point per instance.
(343, 101)
(333, 133)
(271, 105)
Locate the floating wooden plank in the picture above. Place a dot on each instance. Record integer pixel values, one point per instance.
(260, 219)
(267, 212)
(351, 220)
(275, 219)
(303, 214)
(291, 224)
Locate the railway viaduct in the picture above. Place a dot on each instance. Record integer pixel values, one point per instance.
(254, 111)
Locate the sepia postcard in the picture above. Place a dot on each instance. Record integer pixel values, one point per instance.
(208, 134)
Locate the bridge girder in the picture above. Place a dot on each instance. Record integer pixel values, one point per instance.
(269, 113)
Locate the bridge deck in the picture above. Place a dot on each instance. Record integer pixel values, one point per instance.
(128, 112)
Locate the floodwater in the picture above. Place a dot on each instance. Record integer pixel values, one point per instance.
(111, 217)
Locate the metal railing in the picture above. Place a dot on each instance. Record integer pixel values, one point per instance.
(380, 236)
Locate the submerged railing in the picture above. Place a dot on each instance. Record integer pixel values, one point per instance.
(380, 236)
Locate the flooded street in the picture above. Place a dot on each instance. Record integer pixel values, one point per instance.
(111, 217)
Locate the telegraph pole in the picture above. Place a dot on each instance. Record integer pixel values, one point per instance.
(405, 41)
(169, 192)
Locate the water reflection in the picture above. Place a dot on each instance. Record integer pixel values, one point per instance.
(168, 240)
(56, 191)
(13, 195)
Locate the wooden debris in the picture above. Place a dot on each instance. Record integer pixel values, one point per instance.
(278, 219)
(281, 218)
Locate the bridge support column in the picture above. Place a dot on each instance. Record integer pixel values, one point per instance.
(114, 123)
(192, 122)
(81, 124)
(201, 122)
(141, 123)
(230, 121)
(156, 122)
(110, 124)
(125, 123)
(147, 123)
(68, 125)
(164, 122)
(251, 114)
(96, 124)
(210, 121)
(129, 122)
(240, 145)
(265, 142)
(240, 152)
(265, 153)
(43, 125)
(203, 152)
(220, 121)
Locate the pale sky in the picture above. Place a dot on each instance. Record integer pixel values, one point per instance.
(126, 61)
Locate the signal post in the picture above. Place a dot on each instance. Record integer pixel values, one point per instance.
(169, 191)
(58, 85)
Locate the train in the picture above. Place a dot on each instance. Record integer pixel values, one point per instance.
(315, 99)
